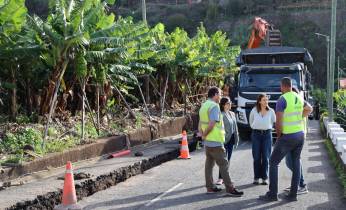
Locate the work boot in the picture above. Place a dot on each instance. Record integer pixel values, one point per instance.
(264, 182)
(256, 182)
(268, 197)
(290, 198)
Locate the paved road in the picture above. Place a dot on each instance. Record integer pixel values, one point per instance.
(179, 184)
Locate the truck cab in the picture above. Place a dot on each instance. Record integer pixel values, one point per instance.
(261, 70)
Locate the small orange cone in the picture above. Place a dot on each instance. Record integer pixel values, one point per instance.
(69, 198)
(184, 149)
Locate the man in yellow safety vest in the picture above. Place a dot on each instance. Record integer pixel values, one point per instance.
(289, 126)
(212, 129)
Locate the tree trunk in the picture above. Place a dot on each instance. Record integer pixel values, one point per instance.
(13, 108)
(145, 104)
(83, 109)
(98, 105)
(133, 115)
(49, 93)
(28, 98)
(91, 113)
(164, 95)
(63, 99)
(147, 93)
(53, 100)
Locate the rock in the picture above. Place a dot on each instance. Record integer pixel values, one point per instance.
(81, 175)
(6, 184)
(28, 147)
(139, 154)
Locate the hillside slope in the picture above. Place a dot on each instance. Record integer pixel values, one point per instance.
(298, 20)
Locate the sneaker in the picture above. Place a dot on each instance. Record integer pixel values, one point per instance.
(213, 190)
(256, 181)
(290, 198)
(219, 182)
(234, 192)
(264, 182)
(302, 190)
(268, 197)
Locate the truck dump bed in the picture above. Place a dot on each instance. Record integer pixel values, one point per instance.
(274, 55)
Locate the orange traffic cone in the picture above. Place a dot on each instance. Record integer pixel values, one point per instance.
(184, 149)
(69, 198)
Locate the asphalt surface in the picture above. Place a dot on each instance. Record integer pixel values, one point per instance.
(47, 181)
(179, 184)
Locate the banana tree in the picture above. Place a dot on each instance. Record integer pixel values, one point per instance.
(12, 18)
(123, 50)
(66, 36)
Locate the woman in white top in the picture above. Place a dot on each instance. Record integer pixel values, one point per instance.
(262, 118)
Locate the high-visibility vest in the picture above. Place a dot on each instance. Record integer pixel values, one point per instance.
(293, 121)
(217, 134)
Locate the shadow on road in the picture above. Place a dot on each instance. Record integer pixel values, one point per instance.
(141, 198)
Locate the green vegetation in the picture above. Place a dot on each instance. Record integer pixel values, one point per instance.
(338, 164)
(340, 108)
(15, 142)
(64, 59)
(61, 145)
(78, 59)
(297, 20)
(320, 96)
(90, 130)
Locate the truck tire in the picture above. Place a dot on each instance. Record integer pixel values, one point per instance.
(245, 135)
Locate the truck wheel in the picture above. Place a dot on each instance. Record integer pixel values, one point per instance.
(245, 135)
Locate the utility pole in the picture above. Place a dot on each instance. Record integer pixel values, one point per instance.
(338, 72)
(144, 12)
(332, 56)
(328, 73)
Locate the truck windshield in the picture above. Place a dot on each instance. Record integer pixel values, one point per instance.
(266, 80)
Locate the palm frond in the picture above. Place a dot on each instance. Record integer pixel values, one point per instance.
(106, 31)
(29, 51)
(70, 9)
(142, 66)
(114, 41)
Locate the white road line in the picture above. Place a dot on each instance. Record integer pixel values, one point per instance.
(163, 194)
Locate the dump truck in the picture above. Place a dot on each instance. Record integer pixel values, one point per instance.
(262, 68)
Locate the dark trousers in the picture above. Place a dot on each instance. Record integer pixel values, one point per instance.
(261, 149)
(289, 165)
(229, 149)
(284, 145)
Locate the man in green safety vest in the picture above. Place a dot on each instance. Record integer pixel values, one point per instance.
(212, 130)
(289, 126)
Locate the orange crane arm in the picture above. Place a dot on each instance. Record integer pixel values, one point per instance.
(258, 32)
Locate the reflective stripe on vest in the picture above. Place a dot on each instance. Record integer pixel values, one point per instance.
(298, 122)
(217, 134)
(292, 114)
(216, 125)
(292, 121)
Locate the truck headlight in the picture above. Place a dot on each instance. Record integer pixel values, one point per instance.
(241, 116)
